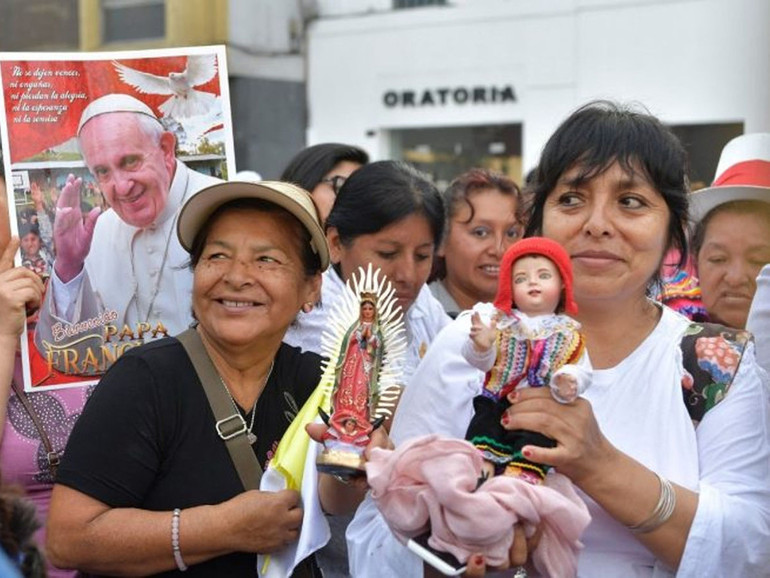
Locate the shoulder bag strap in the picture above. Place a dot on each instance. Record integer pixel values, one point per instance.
(231, 427)
(52, 455)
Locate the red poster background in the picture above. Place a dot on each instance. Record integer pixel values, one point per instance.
(94, 78)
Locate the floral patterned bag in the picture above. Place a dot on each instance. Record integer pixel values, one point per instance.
(711, 354)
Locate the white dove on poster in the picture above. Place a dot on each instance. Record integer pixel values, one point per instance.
(185, 101)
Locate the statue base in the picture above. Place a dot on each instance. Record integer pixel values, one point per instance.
(340, 462)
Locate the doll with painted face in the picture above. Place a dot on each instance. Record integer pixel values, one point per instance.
(528, 342)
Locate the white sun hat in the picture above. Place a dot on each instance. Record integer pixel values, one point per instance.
(743, 174)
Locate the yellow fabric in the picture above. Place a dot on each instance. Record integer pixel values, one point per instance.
(289, 457)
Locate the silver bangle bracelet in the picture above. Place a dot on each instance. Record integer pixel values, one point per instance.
(175, 540)
(663, 509)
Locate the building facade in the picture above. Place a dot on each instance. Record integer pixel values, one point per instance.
(445, 84)
(264, 40)
(486, 82)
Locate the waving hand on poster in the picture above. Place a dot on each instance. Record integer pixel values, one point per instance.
(72, 233)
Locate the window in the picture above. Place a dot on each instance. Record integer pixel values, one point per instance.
(399, 4)
(704, 143)
(39, 25)
(444, 153)
(126, 20)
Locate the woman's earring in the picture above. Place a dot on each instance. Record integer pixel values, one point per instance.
(307, 307)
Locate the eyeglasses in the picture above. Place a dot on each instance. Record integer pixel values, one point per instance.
(335, 182)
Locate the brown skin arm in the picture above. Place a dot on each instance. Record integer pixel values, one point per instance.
(20, 290)
(87, 534)
(626, 489)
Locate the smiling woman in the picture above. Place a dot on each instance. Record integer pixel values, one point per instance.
(257, 253)
(666, 496)
(482, 220)
(229, 308)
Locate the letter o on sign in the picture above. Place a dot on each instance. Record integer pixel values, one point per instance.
(390, 99)
(460, 95)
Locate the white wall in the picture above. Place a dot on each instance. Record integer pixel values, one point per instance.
(264, 26)
(349, 7)
(688, 61)
(265, 39)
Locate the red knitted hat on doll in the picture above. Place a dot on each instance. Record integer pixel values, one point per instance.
(534, 246)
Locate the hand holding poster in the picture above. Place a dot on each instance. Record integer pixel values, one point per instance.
(101, 151)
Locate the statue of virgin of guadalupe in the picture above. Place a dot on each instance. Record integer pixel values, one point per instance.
(361, 372)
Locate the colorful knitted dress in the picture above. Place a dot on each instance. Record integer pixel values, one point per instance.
(528, 352)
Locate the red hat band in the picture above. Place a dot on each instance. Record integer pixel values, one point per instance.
(755, 173)
(534, 246)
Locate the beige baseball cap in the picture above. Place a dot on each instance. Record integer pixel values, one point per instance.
(198, 208)
(114, 103)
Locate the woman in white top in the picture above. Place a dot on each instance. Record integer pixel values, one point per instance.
(611, 188)
(386, 213)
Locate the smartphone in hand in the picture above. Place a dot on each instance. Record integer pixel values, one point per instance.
(444, 562)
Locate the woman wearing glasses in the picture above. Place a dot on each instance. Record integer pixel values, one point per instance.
(322, 169)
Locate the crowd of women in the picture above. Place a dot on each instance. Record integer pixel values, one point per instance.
(674, 474)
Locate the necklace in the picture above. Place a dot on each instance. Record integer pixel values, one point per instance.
(250, 435)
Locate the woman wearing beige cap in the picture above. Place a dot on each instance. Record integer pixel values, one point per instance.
(147, 485)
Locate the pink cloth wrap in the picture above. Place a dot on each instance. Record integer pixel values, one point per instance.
(430, 483)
